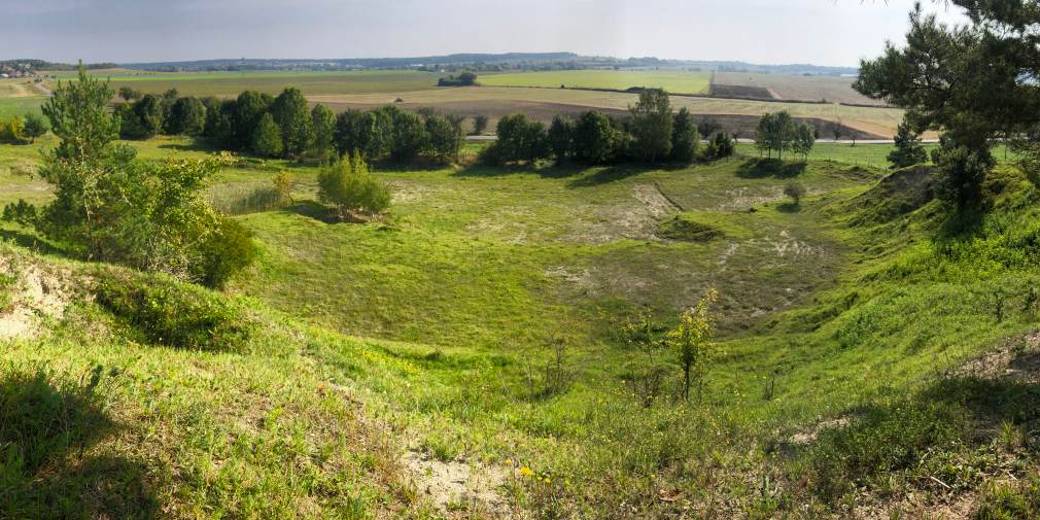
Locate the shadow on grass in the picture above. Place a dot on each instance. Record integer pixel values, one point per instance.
(612, 174)
(789, 207)
(770, 168)
(193, 146)
(919, 435)
(312, 209)
(32, 242)
(46, 471)
(555, 171)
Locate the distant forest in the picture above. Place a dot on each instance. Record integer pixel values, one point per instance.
(487, 62)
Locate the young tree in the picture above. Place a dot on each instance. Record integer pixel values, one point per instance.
(685, 137)
(324, 122)
(796, 191)
(691, 340)
(720, 146)
(480, 124)
(348, 185)
(267, 138)
(34, 127)
(652, 125)
(561, 138)
(803, 139)
(908, 151)
(79, 117)
(291, 114)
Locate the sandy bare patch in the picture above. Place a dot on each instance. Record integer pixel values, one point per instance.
(454, 483)
(36, 294)
(809, 435)
(634, 219)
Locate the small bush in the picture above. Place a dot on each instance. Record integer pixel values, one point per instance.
(796, 191)
(349, 186)
(172, 314)
(227, 251)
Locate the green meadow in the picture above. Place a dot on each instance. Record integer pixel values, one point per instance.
(478, 325)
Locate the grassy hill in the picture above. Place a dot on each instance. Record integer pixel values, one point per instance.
(462, 357)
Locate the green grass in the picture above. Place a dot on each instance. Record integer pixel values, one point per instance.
(440, 320)
(19, 106)
(677, 82)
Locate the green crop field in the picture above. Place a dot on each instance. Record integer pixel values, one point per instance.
(427, 341)
(677, 82)
(272, 82)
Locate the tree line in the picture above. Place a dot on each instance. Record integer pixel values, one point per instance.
(779, 132)
(284, 126)
(651, 134)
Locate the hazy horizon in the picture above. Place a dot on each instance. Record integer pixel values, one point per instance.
(819, 32)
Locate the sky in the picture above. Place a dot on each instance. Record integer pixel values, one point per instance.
(821, 32)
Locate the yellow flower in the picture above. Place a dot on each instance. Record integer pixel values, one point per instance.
(526, 471)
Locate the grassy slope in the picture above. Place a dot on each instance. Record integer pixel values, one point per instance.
(477, 269)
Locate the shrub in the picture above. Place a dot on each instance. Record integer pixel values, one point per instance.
(720, 146)
(796, 191)
(172, 314)
(225, 252)
(349, 186)
(35, 127)
(12, 131)
(480, 124)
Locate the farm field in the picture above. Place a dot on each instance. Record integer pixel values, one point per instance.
(272, 82)
(544, 103)
(411, 89)
(676, 82)
(833, 89)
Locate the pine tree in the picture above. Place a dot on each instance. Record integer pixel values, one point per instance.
(908, 151)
